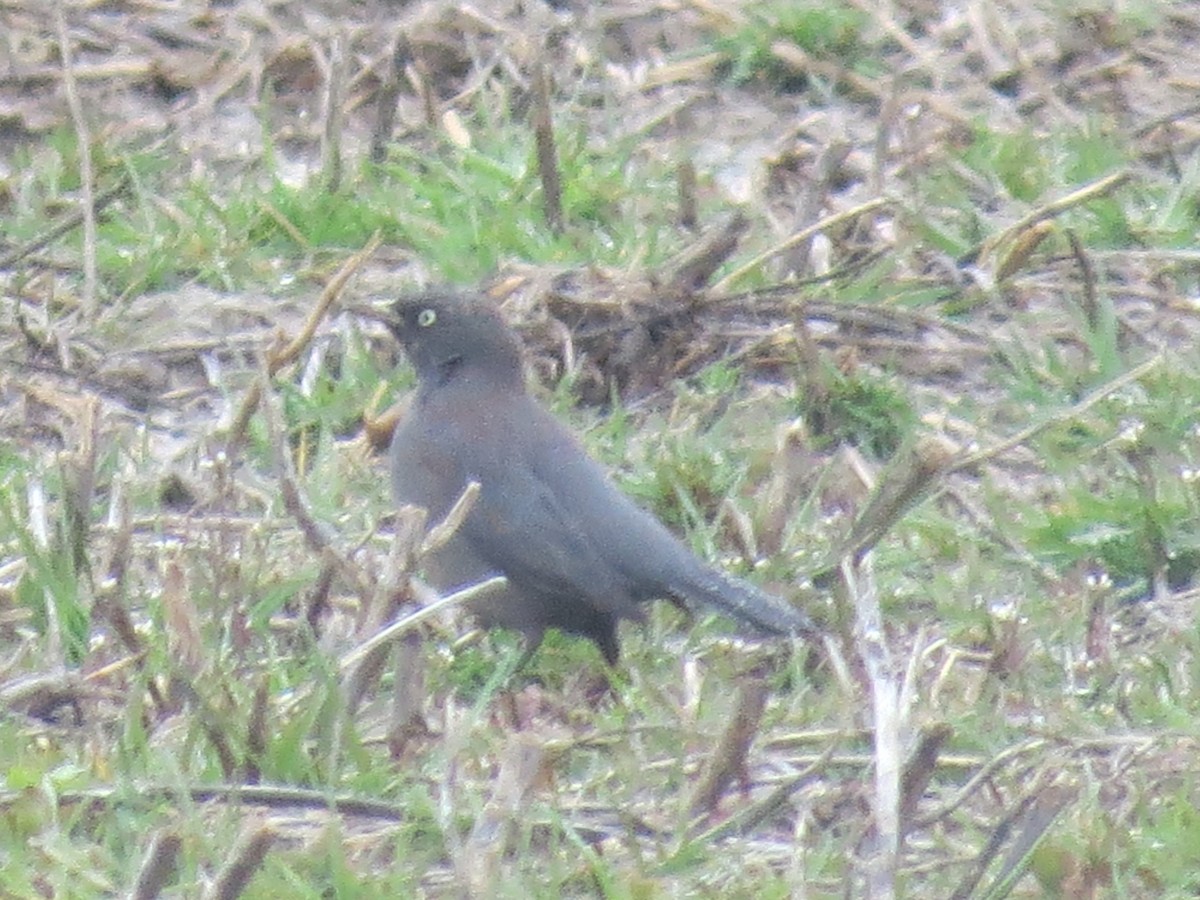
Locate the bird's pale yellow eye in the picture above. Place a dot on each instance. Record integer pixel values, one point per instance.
(426, 317)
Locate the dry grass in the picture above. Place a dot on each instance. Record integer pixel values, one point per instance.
(896, 299)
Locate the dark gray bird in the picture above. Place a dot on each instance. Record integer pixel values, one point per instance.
(578, 554)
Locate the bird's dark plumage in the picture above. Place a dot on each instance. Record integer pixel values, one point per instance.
(578, 554)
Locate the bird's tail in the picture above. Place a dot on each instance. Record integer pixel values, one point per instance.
(747, 604)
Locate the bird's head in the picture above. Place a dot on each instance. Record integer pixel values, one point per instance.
(447, 335)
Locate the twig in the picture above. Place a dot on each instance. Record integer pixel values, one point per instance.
(426, 612)
(685, 183)
(1024, 435)
(215, 729)
(1050, 210)
(688, 271)
(388, 98)
(331, 134)
(822, 174)
(67, 223)
(1031, 829)
(292, 351)
(1041, 796)
(257, 729)
(272, 796)
(285, 223)
(523, 766)
(887, 722)
(158, 866)
(749, 819)
(1091, 306)
(246, 859)
(914, 473)
(798, 238)
(728, 759)
(86, 175)
(316, 535)
(387, 595)
(1022, 248)
(794, 57)
(1184, 112)
(977, 781)
(277, 358)
(37, 538)
(440, 533)
(920, 768)
(922, 472)
(547, 154)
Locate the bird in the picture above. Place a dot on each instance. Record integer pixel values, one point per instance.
(578, 555)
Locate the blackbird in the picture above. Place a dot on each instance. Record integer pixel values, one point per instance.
(577, 553)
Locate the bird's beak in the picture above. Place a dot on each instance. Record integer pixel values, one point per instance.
(376, 312)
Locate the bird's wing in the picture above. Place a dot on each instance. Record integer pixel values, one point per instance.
(522, 528)
(630, 540)
(638, 549)
(525, 523)
(585, 529)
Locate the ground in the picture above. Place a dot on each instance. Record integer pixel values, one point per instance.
(888, 307)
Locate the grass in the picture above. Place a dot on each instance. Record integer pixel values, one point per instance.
(825, 30)
(1040, 604)
(462, 210)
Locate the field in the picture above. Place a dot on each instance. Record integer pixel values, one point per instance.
(890, 308)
